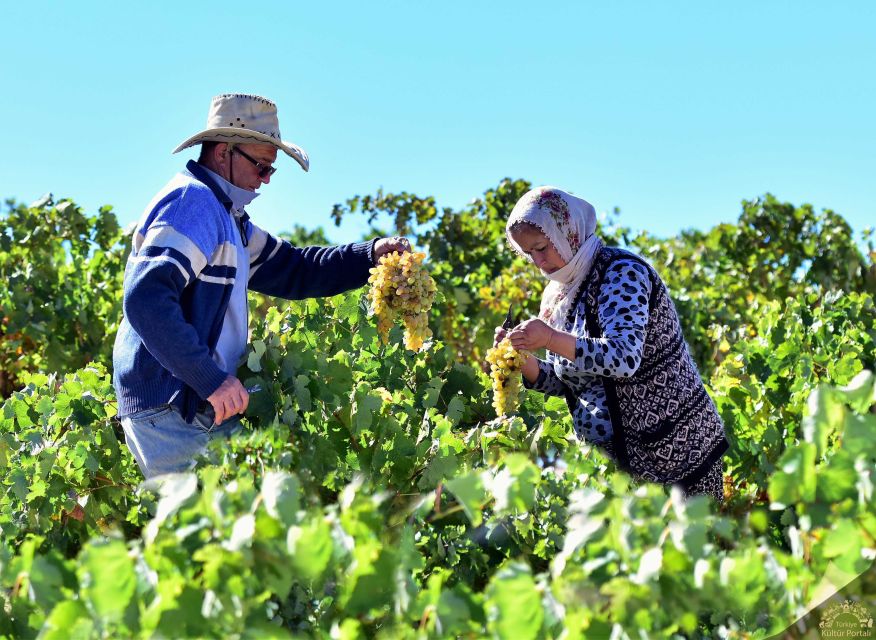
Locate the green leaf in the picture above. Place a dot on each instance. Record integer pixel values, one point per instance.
(107, 577)
(431, 392)
(861, 391)
(514, 485)
(311, 548)
(348, 307)
(282, 495)
(513, 604)
(46, 581)
(176, 489)
(842, 536)
(366, 405)
(470, 492)
(45, 406)
(302, 392)
(68, 621)
(455, 409)
(253, 362)
(349, 629)
(37, 490)
(370, 582)
(437, 470)
(795, 480)
(824, 417)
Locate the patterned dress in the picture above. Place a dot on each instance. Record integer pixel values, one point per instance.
(633, 389)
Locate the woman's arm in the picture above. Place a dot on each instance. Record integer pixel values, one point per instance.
(530, 369)
(538, 375)
(623, 315)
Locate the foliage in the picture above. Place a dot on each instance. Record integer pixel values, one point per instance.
(720, 279)
(774, 252)
(66, 472)
(375, 494)
(303, 237)
(61, 306)
(762, 386)
(472, 263)
(298, 237)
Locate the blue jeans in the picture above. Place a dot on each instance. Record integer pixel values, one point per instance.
(163, 442)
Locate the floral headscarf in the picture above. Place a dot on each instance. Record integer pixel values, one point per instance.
(569, 224)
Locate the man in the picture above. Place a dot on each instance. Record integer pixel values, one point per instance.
(195, 253)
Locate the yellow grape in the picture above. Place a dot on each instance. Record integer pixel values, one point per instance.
(505, 364)
(402, 288)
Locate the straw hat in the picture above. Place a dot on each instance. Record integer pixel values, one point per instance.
(244, 118)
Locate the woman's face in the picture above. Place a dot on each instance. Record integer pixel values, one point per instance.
(539, 249)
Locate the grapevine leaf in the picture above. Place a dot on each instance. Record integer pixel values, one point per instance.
(253, 362)
(310, 546)
(431, 392)
(107, 575)
(69, 619)
(282, 496)
(455, 409)
(825, 416)
(469, 490)
(175, 489)
(513, 605)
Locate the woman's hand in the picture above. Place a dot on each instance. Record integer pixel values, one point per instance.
(388, 245)
(530, 366)
(531, 335)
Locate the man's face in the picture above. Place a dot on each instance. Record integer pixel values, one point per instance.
(244, 171)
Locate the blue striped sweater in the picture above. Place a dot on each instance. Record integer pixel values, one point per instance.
(178, 283)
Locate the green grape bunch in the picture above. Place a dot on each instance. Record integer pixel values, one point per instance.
(402, 288)
(505, 365)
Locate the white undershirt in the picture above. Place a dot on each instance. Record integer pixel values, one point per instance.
(235, 325)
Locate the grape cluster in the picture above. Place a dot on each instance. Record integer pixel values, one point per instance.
(401, 286)
(505, 364)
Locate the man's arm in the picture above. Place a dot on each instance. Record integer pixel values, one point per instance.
(156, 276)
(279, 269)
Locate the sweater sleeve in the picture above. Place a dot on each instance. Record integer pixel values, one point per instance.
(279, 269)
(163, 265)
(623, 315)
(547, 381)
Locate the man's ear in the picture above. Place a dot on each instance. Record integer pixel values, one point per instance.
(221, 156)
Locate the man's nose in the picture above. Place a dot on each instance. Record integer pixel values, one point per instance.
(266, 179)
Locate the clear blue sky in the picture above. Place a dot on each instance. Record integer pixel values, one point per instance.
(672, 111)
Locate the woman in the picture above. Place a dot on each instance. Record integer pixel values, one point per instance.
(615, 349)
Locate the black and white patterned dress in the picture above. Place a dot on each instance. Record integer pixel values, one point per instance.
(649, 432)
(623, 305)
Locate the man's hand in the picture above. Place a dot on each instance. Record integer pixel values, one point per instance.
(229, 399)
(498, 335)
(388, 245)
(531, 335)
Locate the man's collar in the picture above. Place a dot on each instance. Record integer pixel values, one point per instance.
(239, 197)
(233, 197)
(201, 174)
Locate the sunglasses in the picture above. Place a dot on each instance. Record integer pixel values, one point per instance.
(263, 170)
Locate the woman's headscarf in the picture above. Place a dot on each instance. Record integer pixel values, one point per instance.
(569, 224)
